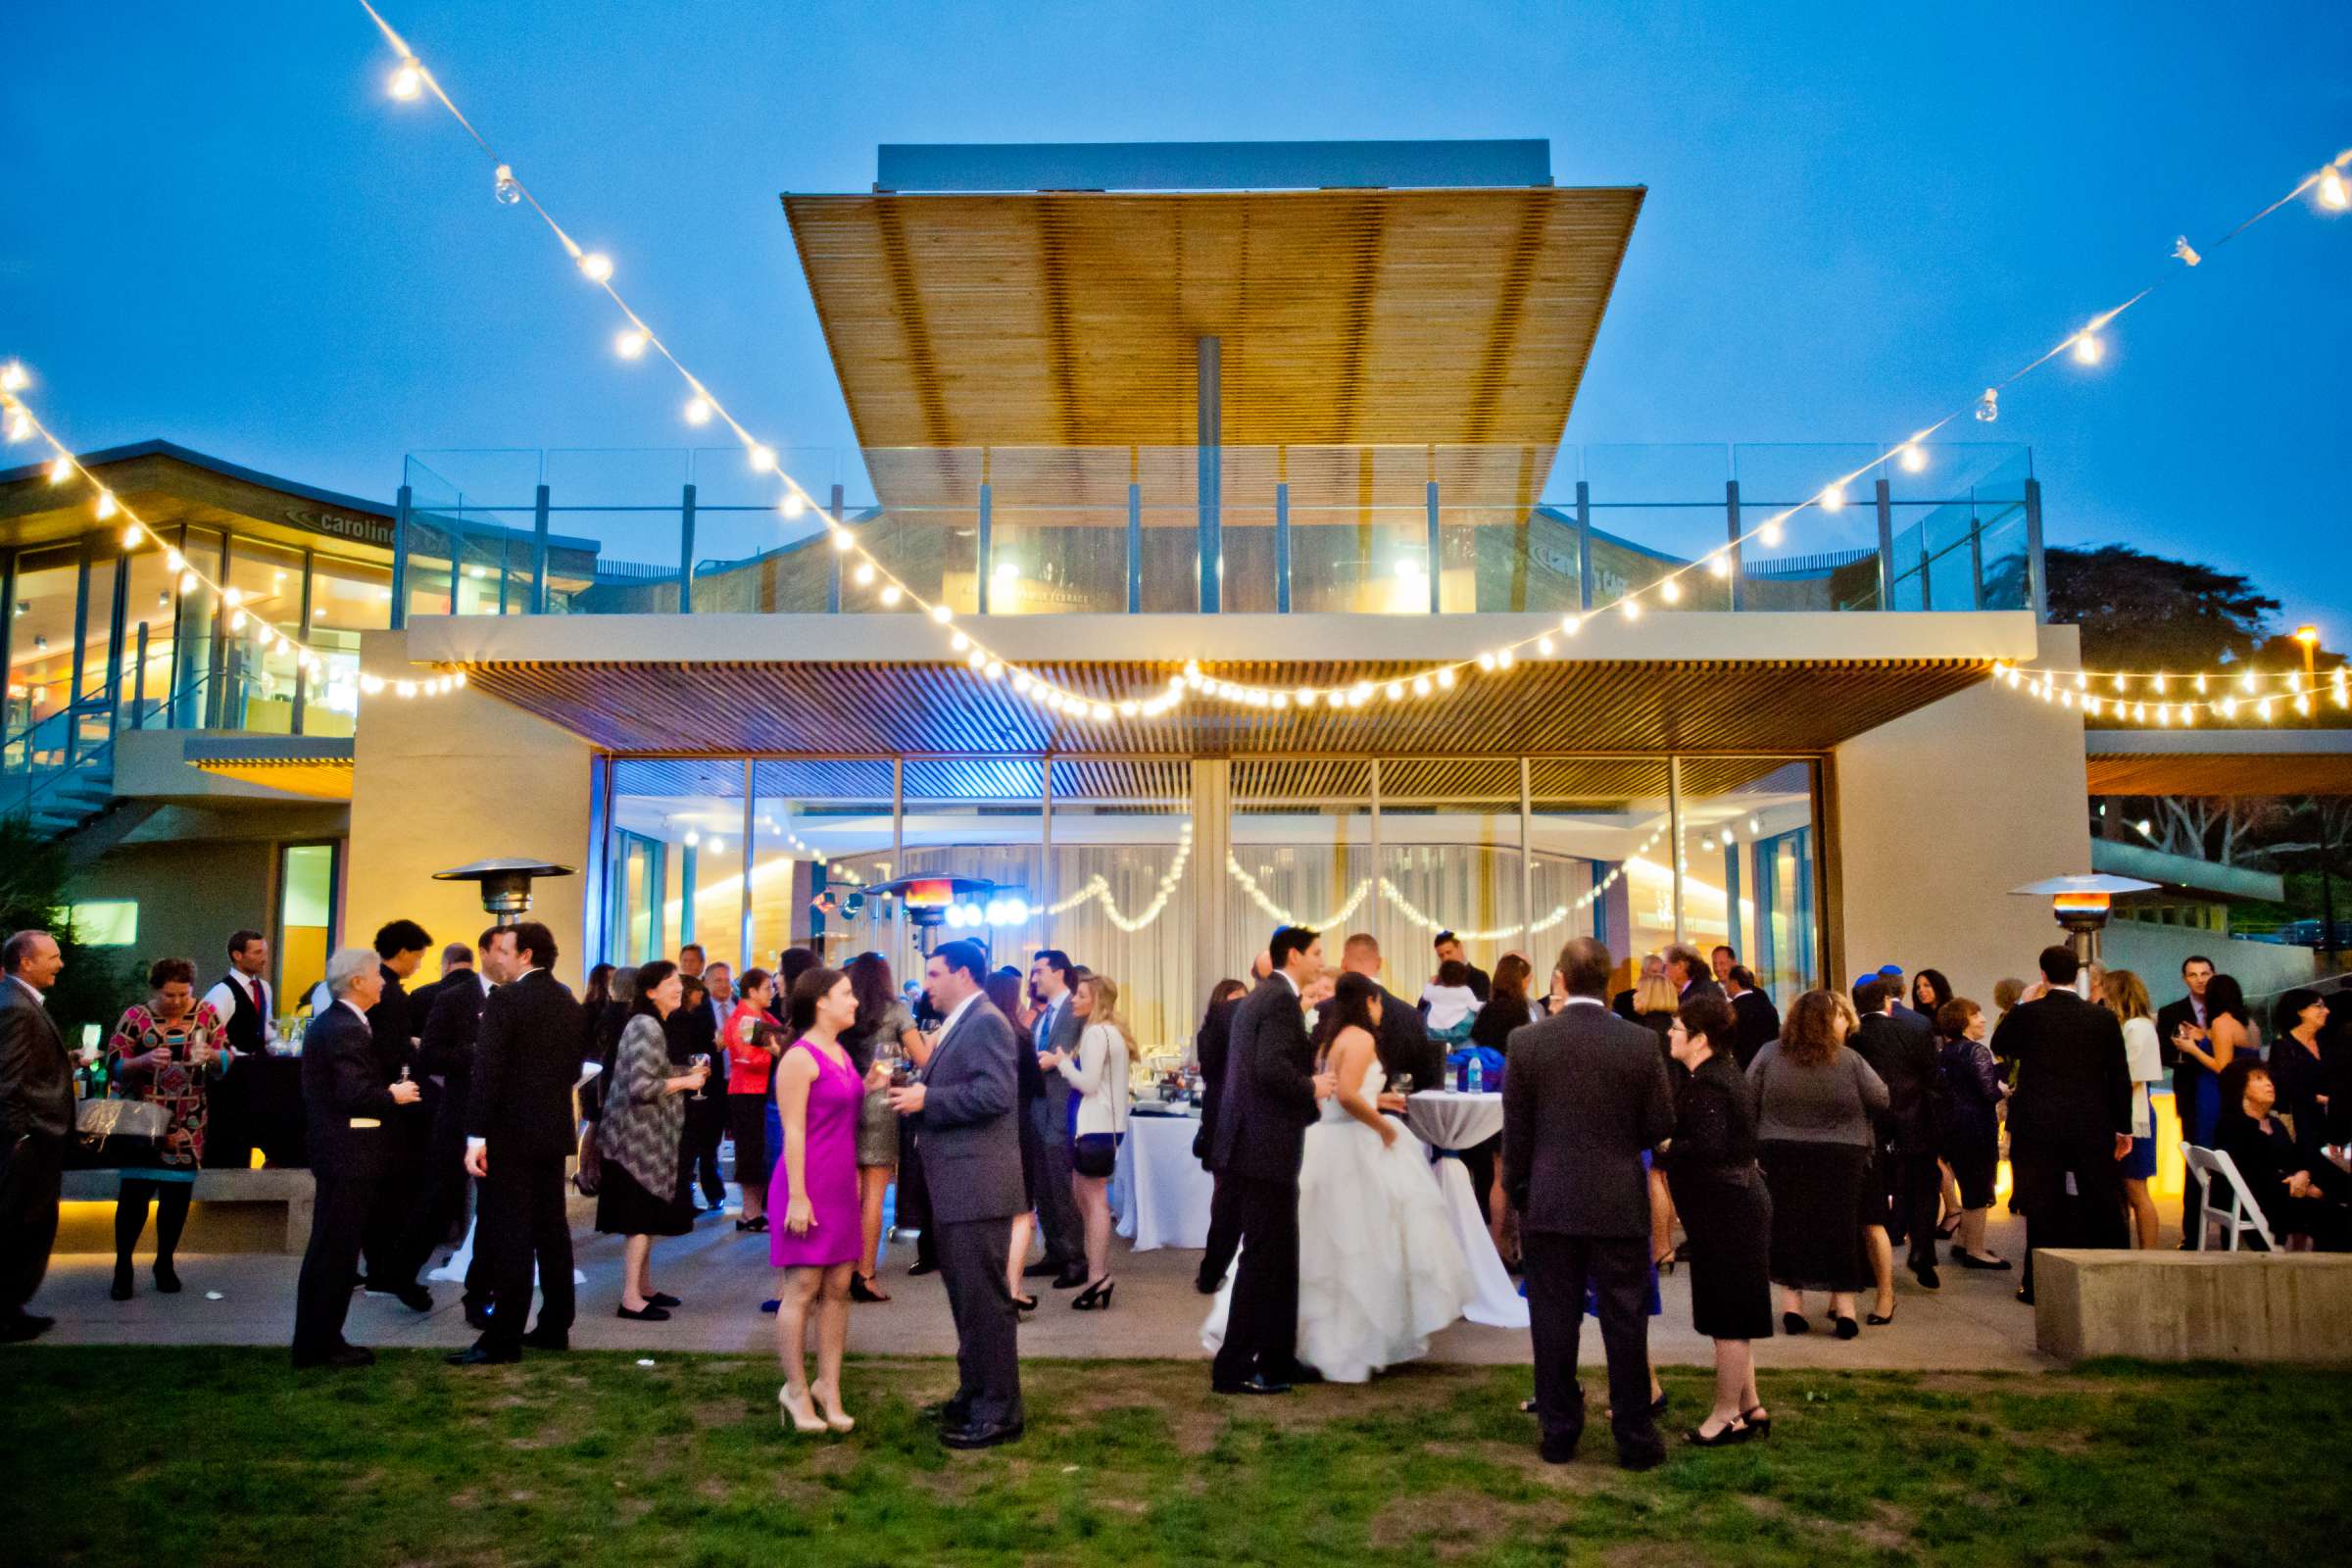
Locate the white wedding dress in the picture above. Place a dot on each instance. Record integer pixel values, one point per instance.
(1380, 1269)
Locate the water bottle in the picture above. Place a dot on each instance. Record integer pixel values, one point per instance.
(1477, 1077)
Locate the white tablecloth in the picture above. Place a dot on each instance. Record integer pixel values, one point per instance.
(1161, 1194)
(1444, 1119)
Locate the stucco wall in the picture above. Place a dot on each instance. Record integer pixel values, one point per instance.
(442, 781)
(1940, 814)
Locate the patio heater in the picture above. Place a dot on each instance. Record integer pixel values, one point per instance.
(506, 884)
(2080, 902)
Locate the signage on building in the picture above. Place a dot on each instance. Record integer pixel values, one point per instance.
(376, 531)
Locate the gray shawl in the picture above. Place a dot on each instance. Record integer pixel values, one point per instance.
(642, 1125)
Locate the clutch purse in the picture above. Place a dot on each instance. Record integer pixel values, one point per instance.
(117, 1135)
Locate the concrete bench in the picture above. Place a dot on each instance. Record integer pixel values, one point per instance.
(232, 1211)
(2188, 1307)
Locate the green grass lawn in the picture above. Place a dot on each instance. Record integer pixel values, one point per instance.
(170, 1458)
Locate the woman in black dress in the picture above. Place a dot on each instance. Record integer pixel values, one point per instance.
(1712, 1164)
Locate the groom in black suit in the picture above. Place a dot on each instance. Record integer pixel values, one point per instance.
(1263, 1111)
(1586, 1094)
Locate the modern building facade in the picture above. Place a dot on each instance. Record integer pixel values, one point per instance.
(1288, 416)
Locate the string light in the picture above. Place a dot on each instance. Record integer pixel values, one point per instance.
(2334, 195)
(2265, 688)
(1831, 497)
(629, 345)
(137, 530)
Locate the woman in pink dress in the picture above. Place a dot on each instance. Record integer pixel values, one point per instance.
(813, 1196)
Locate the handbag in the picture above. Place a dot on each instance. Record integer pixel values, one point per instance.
(117, 1135)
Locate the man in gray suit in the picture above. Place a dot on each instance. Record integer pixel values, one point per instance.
(1052, 977)
(967, 1103)
(37, 1117)
(1585, 1094)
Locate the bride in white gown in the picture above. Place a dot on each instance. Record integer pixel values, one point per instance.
(1378, 1267)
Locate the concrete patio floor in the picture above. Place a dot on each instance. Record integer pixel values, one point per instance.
(1972, 1323)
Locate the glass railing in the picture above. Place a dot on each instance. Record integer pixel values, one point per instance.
(1109, 530)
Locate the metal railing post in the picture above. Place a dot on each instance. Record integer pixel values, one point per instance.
(1975, 561)
(1584, 545)
(301, 670)
(1730, 529)
(686, 551)
(400, 564)
(833, 561)
(1135, 548)
(1282, 548)
(1209, 398)
(139, 688)
(985, 547)
(1886, 506)
(1435, 596)
(538, 599)
(2037, 577)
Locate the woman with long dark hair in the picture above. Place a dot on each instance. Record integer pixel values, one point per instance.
(1507, 1006)
(1210, 1047)
(2205, 1054)
(884, 1033)
(638, 1197)
(1006, 991)
(814, 1196)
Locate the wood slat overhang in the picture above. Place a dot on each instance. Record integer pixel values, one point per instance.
(1756, 708)
(2214, 764)
(1071, 320)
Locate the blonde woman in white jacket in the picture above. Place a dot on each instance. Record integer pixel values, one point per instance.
(1106, 1048)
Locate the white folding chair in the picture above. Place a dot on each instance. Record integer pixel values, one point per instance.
(2243, 1213)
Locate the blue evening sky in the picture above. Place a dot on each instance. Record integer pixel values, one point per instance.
(219, 230)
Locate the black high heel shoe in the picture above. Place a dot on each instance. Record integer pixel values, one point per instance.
(1027, 1303)
(862, 1290)
(1730, 1433)
(1759, 1425)
(1878, 1322)
(1796, 1323)
(1848, 1329)
(1095, 1295)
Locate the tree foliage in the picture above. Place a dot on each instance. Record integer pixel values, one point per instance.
(2143, 612)
(35, 880)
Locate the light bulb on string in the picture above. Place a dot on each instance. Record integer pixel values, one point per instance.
(59, 471)
(2087, 347)
(840, 537)
(698, 410)
(408, 81)
(14, 377)
(596, 267)
(1633, 610)
(1445, 679)
(1988, 407)
(106, 504)
(20, 425)
(1670, 591)
(630, 344)
(1913, 457)
(764, 458)
(2334, 194)
(794, 504)
(1770, 534)
(133, 536)
(1832, 498)
(890, 594)
(1719, 564)
(508, 189)
(865, 575)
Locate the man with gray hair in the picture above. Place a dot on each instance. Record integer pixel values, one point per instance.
(347, 1103)
(37, 1116)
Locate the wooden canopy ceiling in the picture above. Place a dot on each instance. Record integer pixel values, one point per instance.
(1344, 317)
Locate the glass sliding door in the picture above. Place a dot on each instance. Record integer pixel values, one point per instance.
(1449, 857)
(1599, 834)
(1123, 887)
(1746, 845)
(824, 832)
(1301, 854)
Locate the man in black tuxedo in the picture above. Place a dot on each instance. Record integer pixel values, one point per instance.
(445, 1050)
(392, 1025)
(968, 1098)
(519, 1129)
(1269, 1098)
(1755, 1021)
(2197, 973)
(37, 1117)
(1404, 1045)
(1057, 1027)
(2069, 1117)
(347, 1104)
(1586, 1095)
(1449, 948)
(456, 964)
(1901, 1049)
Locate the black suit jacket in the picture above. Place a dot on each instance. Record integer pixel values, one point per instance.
(342, 1081)
(37, 1077)
(1901, 1051)
(1269, 1096)
(1214, 1048)
(423, 999)
(1404, 1045)
(526, 1062)
(691, 1032)
(2168, 1019)
(2073, 1087)
(450, 1028)
(1755, 1023)
(972, 1128)
(1584, 1094)
(392, 1023)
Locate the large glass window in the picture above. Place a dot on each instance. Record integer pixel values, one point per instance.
(824, 834)
(1301, 837)
(306, 920)
(1449, 861)
(1746, 849)
(1599, 829)
(1120, 897)
(40, 656)
(258, 693)
(676, 859)
(347, 598)
(981, 819)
